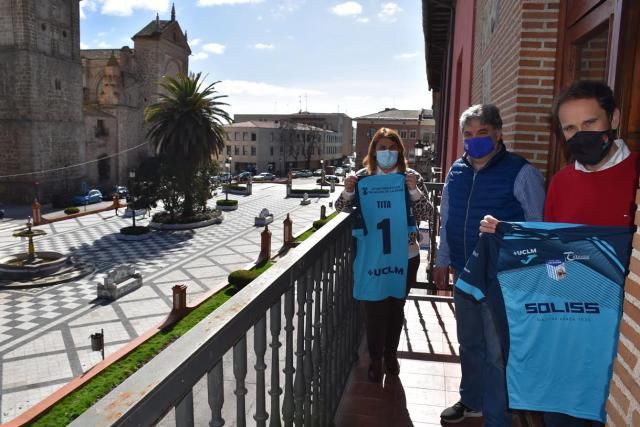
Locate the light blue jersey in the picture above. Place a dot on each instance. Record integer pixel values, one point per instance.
(556, 292)
(380, 266)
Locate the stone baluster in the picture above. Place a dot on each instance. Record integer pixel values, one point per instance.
(215, 385)
(318, 398)
(260, 348)
(275, 320)
(308, 344)
(299, 379)
(287, 404)
(184, 411)
(240, 373)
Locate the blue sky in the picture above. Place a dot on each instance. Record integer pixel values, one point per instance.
(356, 57)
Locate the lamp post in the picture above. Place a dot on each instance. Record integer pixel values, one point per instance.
(321, 173)
(227, 165)
(132, 176)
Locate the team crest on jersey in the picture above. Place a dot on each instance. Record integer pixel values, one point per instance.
(365, 190)
(556, 269)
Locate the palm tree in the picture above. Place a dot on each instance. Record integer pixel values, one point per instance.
(187, 128)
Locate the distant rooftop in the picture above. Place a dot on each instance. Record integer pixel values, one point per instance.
(395, 114)
(274, 124)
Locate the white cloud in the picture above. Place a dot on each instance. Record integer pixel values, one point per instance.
(347, 8)
(103, 45)
(215, 48)
(126, 7)
(199, 55)
(225, 2)
(243, 87)
(194, 42)
(89, 5)
(405, 56)
(84, 46)
(362, 20)
(286, 7)
(263, 46)
(388, 12)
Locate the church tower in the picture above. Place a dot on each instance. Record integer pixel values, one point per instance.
(41, 123)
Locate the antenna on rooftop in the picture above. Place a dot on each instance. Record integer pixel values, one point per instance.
(299, 104)
(306, 105)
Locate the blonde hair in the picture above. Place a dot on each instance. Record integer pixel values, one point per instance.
(370, 160)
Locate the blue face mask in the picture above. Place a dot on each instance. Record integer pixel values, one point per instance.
(386, 159)
(478, 147)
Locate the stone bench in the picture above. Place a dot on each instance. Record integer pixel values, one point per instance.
(264, 218)
(119, 281)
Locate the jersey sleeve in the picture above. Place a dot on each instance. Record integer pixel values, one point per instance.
(474, 279)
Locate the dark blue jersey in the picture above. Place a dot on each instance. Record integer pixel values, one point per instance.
(556, 291)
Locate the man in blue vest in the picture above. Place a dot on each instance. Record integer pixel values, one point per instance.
(487, 178)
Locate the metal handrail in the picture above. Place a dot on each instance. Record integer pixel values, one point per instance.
(314, 283)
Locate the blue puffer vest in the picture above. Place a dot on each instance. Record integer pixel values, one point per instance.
(472, 195)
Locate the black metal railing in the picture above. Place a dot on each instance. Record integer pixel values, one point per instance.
(190, 382)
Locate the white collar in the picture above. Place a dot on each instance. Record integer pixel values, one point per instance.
(621, 154)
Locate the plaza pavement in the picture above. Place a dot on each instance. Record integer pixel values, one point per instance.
(44, 332)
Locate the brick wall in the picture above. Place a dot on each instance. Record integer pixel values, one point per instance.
(623, 407)
(517, 60)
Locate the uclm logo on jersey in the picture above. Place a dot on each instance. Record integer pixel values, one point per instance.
(385, 271)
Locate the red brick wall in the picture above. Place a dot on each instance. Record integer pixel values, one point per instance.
(521, 55)
(623, 407)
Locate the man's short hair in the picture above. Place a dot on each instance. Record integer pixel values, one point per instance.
(487, 114)
(586, 89)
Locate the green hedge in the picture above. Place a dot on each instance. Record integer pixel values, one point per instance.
(224, 202)
(320, 222)
(135, 231)
(71, 210)
(236, 187)
(311, 191)
(241, 278)
(165, 217)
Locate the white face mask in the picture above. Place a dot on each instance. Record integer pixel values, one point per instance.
(386, 159)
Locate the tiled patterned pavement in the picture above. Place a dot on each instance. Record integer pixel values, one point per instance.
(44, 332)
(429, 375)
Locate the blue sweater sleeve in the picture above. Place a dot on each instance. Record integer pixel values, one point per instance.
(528, 188)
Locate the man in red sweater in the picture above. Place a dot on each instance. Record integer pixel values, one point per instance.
(599, 186)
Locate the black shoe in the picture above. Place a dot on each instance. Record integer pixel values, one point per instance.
(391, 365)
(375, 371)
(458, 412)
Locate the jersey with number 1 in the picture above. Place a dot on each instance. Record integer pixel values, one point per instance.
(380, 265)
(556, 292)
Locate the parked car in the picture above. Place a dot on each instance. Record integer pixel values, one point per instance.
(93, 196)
(1, 212)
(121, 191)
(225, 177)
(243, 177)
(339, 171)
(329, 178)
(305, 173)
(264, 176)
(317, 172)
(295, 174)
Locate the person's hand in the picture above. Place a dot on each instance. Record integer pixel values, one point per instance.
(488, 224)
(441, 277)
(412, 181)
(350, 183)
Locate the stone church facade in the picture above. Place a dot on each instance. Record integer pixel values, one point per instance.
(77, 114)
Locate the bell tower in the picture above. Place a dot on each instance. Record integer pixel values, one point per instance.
(41, 123)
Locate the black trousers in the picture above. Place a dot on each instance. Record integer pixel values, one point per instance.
(384, 319)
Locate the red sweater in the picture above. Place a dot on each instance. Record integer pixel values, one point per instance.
(598, 198)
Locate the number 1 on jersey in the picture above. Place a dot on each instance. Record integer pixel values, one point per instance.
(385, 226)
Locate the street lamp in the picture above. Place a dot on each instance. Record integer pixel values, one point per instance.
(419, 147)
(132, 176)
(227, 165)
(321, 173)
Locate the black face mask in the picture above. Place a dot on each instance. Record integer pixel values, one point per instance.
(590, 147)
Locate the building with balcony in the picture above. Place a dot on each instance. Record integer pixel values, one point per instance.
(339, 123)
(279, 146)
